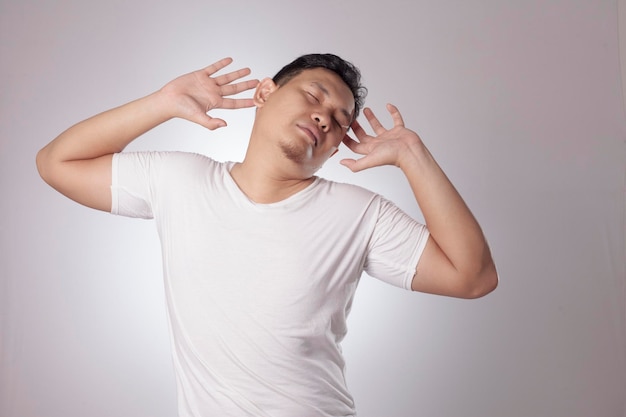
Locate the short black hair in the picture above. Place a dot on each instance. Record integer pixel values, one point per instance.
(349, 73)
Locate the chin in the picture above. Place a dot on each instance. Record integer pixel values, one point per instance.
(295, 153)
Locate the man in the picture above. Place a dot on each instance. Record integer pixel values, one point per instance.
(261, 258)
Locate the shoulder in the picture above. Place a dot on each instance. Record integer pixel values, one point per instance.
(353, 197)
(170, 161)
(348, 193)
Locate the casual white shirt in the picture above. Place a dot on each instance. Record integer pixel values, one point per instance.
(258, 294)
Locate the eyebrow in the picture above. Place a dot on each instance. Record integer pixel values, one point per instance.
(326, 93)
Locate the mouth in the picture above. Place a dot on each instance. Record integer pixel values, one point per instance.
(311, 134)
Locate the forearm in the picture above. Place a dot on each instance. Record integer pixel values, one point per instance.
(106, 133)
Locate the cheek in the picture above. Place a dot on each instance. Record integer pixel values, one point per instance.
(336, 139)
(276, 116)
(290, 108)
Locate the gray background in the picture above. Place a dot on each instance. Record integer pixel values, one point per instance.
(520, 102)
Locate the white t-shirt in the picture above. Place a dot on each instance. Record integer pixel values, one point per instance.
(258, 294)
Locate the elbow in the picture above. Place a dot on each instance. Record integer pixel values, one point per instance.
(46, 166)
(43, 163)
(40, 161)
(483, 282)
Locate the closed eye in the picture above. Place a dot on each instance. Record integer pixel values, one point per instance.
(341, 125)
(314, 97)
(338, 123)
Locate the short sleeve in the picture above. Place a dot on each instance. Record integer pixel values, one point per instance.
(396, 246)
(131, 184)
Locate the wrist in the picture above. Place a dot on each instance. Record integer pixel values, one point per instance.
(414, 156)
(161, 105)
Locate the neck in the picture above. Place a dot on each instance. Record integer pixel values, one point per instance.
(263, 183)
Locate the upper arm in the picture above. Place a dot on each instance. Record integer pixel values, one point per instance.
(435, 274)
(87, 182)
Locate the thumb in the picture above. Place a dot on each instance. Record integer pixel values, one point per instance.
(210, 122)
(353, 164)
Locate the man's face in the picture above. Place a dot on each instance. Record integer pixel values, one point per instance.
(308, 116)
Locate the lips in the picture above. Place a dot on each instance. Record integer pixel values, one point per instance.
(311, 132)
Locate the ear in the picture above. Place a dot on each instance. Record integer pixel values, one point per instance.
(265, 88)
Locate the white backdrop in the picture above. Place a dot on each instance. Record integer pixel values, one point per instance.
(520, 102)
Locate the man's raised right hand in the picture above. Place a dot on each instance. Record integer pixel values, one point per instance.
(198, 92)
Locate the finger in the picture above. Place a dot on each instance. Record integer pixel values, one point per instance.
(209, 122)
(373, 121)
(358, 130)
(216, 66)
(232, 76)
(236, 103)
(215, 124)
(356, 165)
(353, 145)
(230, 89)
(348, 163)
(395, 115)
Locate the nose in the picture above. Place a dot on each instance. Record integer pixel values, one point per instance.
(322, 121)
